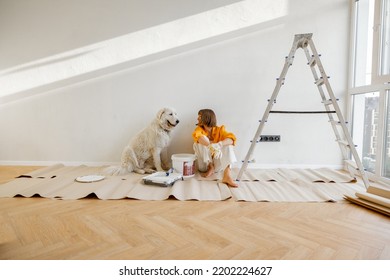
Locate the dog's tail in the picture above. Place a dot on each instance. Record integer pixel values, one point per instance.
(115, 170)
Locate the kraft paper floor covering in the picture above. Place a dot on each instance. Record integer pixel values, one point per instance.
(283, 185)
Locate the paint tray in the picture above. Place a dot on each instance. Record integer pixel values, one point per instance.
(162, 179)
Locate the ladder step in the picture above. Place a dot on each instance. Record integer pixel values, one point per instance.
(337, 122)
(328, 102)
(319, 82)
(343, 142)
(249, 161)
(312, 61)
(352, 164)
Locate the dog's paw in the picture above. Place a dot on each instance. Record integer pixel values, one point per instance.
(150, 171)
(139, 171)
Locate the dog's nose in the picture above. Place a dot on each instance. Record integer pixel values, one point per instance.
(177, 121)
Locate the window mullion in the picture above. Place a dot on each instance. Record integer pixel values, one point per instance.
(380, 148)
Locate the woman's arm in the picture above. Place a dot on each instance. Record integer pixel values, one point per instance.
(227, 141)
(203, 140)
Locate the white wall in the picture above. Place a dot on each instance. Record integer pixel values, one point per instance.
(92, 120)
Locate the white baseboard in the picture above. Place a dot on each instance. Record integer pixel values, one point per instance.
(290, 166)
(48, 163)
(237, 165)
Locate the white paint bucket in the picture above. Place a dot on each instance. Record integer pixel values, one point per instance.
(184, 164)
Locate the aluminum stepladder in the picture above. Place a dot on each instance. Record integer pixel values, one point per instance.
(332, 108)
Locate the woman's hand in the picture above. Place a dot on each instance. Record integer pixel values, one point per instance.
(216, 150)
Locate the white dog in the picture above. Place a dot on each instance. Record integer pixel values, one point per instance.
(146, 152)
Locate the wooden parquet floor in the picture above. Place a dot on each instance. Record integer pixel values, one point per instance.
(93, 229)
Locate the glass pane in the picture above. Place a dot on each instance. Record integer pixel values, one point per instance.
(365, 127)
(385, 38)
(363, 42)
(386, 162)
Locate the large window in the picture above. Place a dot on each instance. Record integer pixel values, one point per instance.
(381, 41)
(386, 160)
(385, 39)
(370, 84)
(365, 129)
(364, 10)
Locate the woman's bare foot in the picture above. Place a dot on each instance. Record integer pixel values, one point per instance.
(227, 178)
(209, 172)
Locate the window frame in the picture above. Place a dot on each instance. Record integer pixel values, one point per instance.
(379, 83)
(377, 77)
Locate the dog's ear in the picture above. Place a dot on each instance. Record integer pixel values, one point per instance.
(160, 113)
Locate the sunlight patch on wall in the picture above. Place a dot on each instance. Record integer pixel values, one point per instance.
(154, 40)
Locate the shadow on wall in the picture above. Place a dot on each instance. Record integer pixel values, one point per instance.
(140, 47)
